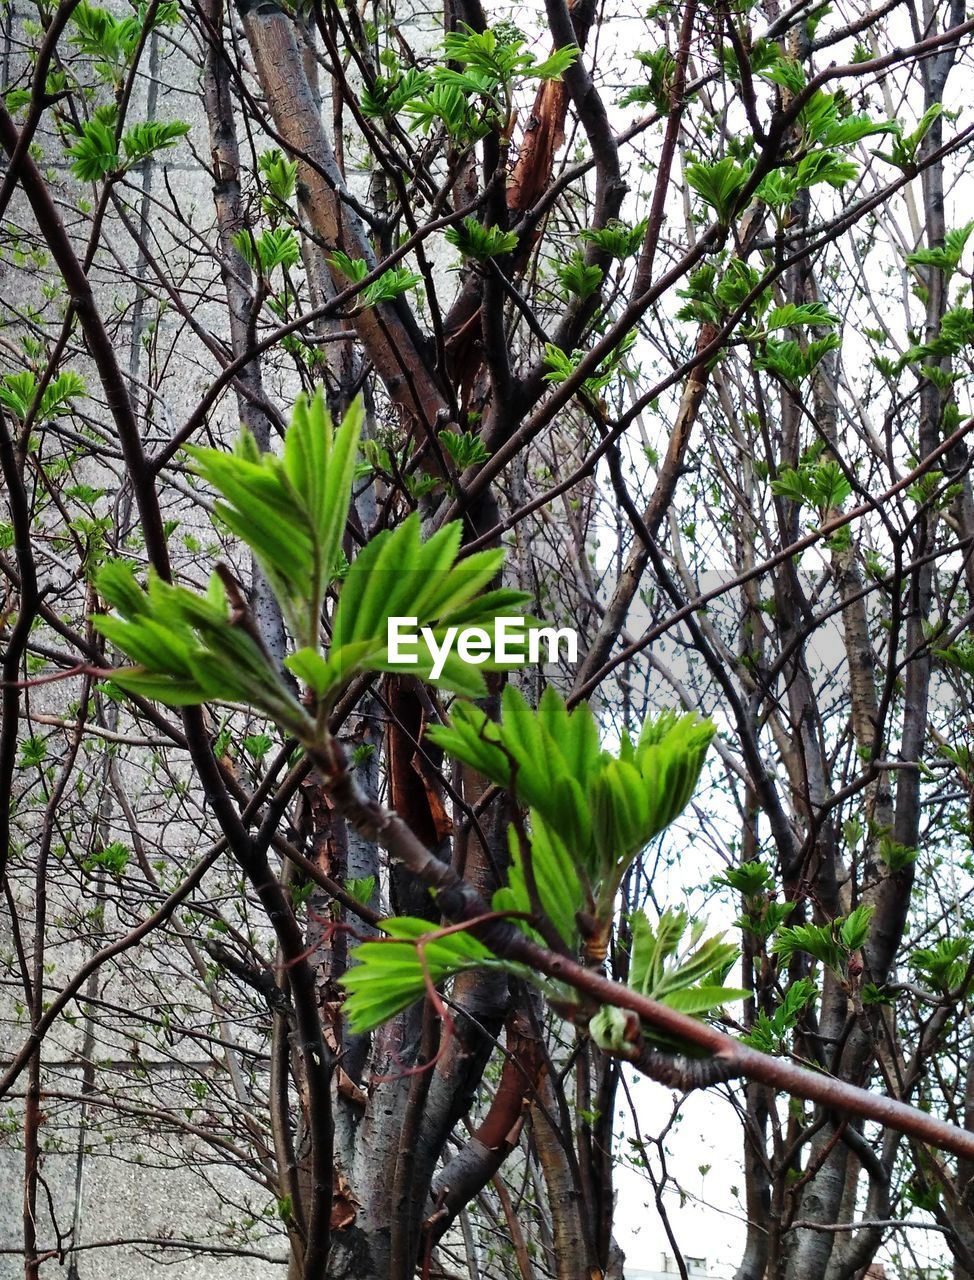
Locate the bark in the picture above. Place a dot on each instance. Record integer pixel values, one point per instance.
(387, 332)
(238, 282)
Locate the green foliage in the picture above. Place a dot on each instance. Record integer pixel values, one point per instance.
(617, 239)
(361, 888)
(390, 285)
(95, 154)
(257, 745)
(16, 99)
(700, 292)
(754, 880)
(661, 66)
(691, 983)
(280, 176)
(277, 247)
(577, 279)
(546, 758)
(820, 484)
(19, 390)
(113, 858)
(749, 879)
(470, 91)
(188, 649)
(563, 366)
(603, 809)
(354, 269)
(896, 856)
(945, 257)
(495, 56)
(854, 929)
(824, 166)
(831, 944)
(719, 185)
(960, 654)
(786, 72)
(292, 510)
(825, 119)
(769, 1034)
(144, 140)
(559, 889)
(906, 146)
(392, 974)
(736, 284)
(464, 447)
(474, 240)
(398, 575)
(791, 362)
(112, 41)
(956, 333)
(944, 965)
(33, 752)
(792, 315)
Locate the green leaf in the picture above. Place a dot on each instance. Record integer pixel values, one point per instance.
(59, 393)
(769, 1032)
(718, 184)
(399, 576)
(113, 858)
(579, 280)
(465, 448)
(474, 240)
(388, 976)
(825, 166)
(390, 285)
(751, 879)
(354, 269)
(17, 392)
(361, 888)
(793, 314)
(855, 928)
(144, 140)
(661, 66)
(95, 154)
(291, 511)
(617, 239)
(187, 648)
(698, 1000)
(560, 892)
(785, 71)
(274, 248)
(311, 669)
(944, 965)
(947, 256)
(691, 982)
(555, 66)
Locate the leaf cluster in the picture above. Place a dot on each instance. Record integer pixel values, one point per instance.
(822, 485)
(831, 944)
(111, 40)
(19, 390)
(604, 809)
(393, 973)
(473, 240)
(691, 981)
(470, 92)
(389, 286)
(95, 153)
(769, 1032)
